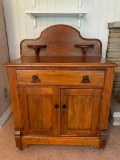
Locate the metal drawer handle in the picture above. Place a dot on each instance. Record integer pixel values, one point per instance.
(35, 79)
(85, 79)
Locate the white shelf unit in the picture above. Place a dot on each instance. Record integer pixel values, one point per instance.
(35, 14)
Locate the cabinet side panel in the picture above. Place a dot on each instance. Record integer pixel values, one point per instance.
(106, 97)
(15, 104)
(14, 97)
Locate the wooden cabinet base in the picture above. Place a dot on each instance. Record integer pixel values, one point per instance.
(90, 141)
(98, 142)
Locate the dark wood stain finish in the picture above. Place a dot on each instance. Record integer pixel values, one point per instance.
(60, 41)
(60, 90)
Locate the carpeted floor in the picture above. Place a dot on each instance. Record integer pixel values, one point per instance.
(8, 151)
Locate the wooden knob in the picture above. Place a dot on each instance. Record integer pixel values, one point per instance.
(64, 106)
(56, 106)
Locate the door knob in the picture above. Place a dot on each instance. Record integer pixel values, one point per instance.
(64, 106)
(56, 106)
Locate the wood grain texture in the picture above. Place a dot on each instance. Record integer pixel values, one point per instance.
(38, 110)
(59, 45)
(15, 105)
(106, 97)
(14, 97)
(80, 117)
(94, 141)
(58, 61)
(57, 77)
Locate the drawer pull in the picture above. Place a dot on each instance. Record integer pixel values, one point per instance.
(85, 79)
(56, 106)
(64, 106)
(35, 79)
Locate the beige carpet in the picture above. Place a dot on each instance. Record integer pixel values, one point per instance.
(8, 151)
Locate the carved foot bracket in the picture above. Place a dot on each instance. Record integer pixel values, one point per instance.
(103, 137)
(18, 138)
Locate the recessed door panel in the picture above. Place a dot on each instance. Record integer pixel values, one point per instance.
(81, 114)
(80, 111)
(38, 112)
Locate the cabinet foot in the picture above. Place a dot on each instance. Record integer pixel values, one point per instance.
(18, 138)
(21, 149)
(103, 137)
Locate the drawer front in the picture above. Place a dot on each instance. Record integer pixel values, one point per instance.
(60, 77)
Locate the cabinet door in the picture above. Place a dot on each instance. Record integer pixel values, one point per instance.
(39, 111)
(80, 110)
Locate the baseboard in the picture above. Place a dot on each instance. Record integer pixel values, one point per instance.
(5, 116)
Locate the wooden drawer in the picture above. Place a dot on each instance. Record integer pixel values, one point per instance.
(60, 77)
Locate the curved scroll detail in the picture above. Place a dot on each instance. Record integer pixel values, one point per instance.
(61, 40)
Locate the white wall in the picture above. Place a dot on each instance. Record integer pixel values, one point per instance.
(94, 25)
